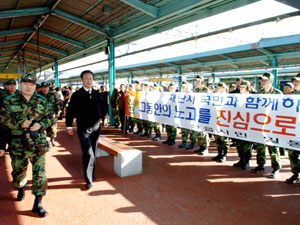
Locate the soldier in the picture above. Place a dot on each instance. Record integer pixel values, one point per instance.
(244, 148)
(202, 137)
(27, 114)
(147, 124)
(171, 131)
(156, 126)
(5, 136)
(267, 88)
(232, 87)
(186, 133)
(51, 132)
(114, 104)
(222, 142)
(294, 156)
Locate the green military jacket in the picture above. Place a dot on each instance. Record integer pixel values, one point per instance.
(272, 91)
(114, 98)
(202, 90)
(16, 110)
(53, 101)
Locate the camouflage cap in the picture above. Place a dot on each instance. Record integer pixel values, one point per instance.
(29, 78)
(267, 76)
(184, 83)
(38, 85)
(221, 85)
(232, 85)
(297, 77)
(171, 85)
(289, 84)
(198, 77)
(245, 83)
(11, 81)
(45, 84)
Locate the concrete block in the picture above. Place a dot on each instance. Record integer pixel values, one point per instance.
(128, 163)
(101, 153)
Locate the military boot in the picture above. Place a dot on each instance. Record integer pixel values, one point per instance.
(172, 142)
(145, 134)
(166, 141)
(293, 179)
(21, 194)
(38, 208)
(182, 145)
(190, 146)
(239, 163)
(223, 158)
(245, 165)
(149, 135)
(156, 138)
(216, 158)
(259, 168)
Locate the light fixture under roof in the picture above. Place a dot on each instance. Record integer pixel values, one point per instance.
(106, 9)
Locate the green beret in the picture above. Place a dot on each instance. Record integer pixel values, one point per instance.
(29, 78)
(245, 83)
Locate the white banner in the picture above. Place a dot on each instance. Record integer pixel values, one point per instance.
(267, 119)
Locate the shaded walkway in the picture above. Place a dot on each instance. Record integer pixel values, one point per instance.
(176, 187)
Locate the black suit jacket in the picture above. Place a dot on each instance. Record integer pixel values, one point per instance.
(86, 108)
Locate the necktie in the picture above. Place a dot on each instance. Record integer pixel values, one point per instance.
(90, 92)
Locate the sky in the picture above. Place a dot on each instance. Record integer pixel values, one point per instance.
(256, 11)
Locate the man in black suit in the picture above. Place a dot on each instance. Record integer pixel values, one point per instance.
(86, 106)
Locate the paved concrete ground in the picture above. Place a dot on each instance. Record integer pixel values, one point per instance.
(176, 187)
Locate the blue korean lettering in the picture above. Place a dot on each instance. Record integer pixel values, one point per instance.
(251, 103)
(166, 110)
(192, 113)
(143, 107)
(288, 102)
(179, 114)
(217, 100)
(205, 99)
(172, 98)
(191, 99)
(231, 101)
(204, 115)
(149, 108)
(157, 108)
(270, 101)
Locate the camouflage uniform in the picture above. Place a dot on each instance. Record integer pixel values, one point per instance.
(202, 137)
(55, 106)
(273, 150)
(294, 157)
(15, 111)
(114, 104)
(222, 147)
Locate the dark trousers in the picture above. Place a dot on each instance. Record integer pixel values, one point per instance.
(122, 118)
(89, 142)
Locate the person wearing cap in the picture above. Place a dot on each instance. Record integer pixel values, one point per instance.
(294, 156)
(171, 131)
(156, 126)
(121, 107)
(55, 105)
(222, 142)
(5, 136)
(232, 88)
(147, 125)
(201, 137)
(244, 148)
(267, 88)
(27, 115)
(186, 133)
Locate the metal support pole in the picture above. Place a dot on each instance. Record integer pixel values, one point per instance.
(275, 64)
(112, 77)
(179, 78)
(256, 82)
(56, 73)
(214, 80)
(131, 76)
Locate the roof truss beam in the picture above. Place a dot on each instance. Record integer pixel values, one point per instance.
(16, 31)
(143, 7)
(265, 51)
(59, 51)
(8, 43)
(62, 38)
(42, 54)
(23, 12)
(79, 21)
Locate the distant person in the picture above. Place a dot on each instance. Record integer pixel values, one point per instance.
(87, 107)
